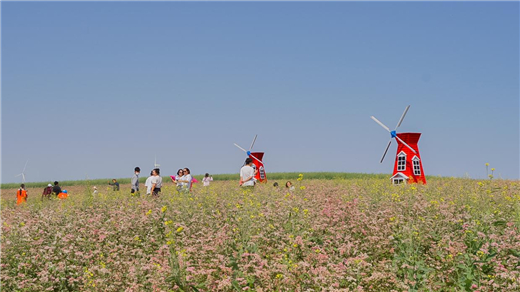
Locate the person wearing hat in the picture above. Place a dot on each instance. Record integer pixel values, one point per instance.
(47, 191)
(63, 195)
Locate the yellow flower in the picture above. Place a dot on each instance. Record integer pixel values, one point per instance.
(180, 229)
(149, 212)
(487, 164)
(163, 209)
(302, 188)
(168, 222)
(493, 169)
(279, 276)
(317, 250)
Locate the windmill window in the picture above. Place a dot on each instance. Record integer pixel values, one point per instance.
(398, 181)
(416, 166)
(262, 173)
(401, 161)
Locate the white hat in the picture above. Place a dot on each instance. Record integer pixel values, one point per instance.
(49, 185)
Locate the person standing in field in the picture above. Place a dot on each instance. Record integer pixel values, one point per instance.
(56, 190)
(176, 179)
(206, 180)
(114, 184)
(156, 182)
(47, 191)
(247, 174)
(135, 180)
(186, 180)
(148, 183)
(21, 195)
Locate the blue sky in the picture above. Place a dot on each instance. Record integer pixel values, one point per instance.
(97, 88)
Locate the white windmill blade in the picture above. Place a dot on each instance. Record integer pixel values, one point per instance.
(240, 147)
(386, 150)
(405, 144)
(256, 158)
(402, 117)
(253, 143)
(381, 124)
(25, 166)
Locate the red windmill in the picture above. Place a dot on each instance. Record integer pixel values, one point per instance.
(257, 160)
(408, 164)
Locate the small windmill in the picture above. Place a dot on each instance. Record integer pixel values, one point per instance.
(408, 165)
(257, 160)
(23, 172)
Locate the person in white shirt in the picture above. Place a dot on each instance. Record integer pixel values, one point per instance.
(156, 182)
(206, 180)
(176, 179)
(148, 184)
(186, 180)
(247, 174)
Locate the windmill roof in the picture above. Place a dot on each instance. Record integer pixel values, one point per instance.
(399, 174)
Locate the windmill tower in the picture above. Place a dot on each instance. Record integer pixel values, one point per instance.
(408, 164)
(257, 160)
(155, 165)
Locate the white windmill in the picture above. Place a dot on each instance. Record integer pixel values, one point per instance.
(23, 172)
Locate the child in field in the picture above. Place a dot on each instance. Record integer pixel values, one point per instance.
(47, 192)
(289, 186)
(63, 195)
(115, 184)
(206, 180)
(21, 195)
(95, 192)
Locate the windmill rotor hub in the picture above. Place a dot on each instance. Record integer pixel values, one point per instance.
(393, 134)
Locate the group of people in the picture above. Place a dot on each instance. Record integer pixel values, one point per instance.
(183, 179)
(48, 192)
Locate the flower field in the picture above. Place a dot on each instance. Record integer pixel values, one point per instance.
(327, 235)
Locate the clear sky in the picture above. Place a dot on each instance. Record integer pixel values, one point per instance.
(99, 88)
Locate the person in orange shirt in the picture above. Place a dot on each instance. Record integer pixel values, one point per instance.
(21, 195)
(63, 194)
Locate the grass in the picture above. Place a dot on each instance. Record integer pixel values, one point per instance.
(217, 177)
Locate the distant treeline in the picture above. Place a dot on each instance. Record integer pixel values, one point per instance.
(275, 176)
